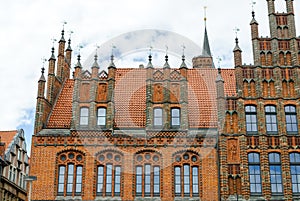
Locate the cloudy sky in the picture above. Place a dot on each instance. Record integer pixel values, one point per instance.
(28, 27)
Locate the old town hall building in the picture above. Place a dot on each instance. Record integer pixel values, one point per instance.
(173, 133)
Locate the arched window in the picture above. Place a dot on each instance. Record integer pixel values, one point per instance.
(291, 119)
(147, 174)
(175, 117)
(101, 116)
(295, 172)
(275, 173)
(70, 173)
(84, 116)
(254, 173)
(186, 174)
(251, 119)
(271, 119)
(109, 172)
(158, 117)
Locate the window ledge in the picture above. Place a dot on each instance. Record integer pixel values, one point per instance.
(147, 199)
(108, 198)
(69, 198)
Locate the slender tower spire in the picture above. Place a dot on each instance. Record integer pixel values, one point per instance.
(202, 60)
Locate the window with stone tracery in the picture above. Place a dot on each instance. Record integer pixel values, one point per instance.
(109, 173)
(148, 174)
(70, 173)
(186, 174)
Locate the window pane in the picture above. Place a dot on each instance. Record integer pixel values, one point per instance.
(70, 178)
(254, 173)
(158, 117)
(78, 179)
(61, 178)
(84, 113)
(101, 118)
(100, 179)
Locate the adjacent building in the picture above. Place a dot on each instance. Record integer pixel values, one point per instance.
(173, 132)
(15, 166)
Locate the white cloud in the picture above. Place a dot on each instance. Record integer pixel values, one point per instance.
(27, 27)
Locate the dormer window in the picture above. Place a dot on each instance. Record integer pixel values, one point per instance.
(84, 116)
(101, 116)
(175, 117)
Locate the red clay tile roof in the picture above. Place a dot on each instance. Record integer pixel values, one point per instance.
(202, 104)
(62, 112)
(7, 137)
(130, 98)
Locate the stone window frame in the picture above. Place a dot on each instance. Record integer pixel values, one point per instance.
(275, 162)
(105, 159)
(66, 159)
(158, 117)
(190, 159)
(152, 159)
(295, 171)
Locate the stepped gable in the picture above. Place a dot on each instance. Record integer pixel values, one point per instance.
(7, 137)
(62, 113)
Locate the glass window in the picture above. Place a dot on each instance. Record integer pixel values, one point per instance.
(139, 176)
(61, 179)
(70, 178)
(177, 178)
(271, 119)
(117, 180)
(101, 117)
(251, 119)
(195, 180)
(156, 180)
(84, 116)
(147, 177)
(108, 179)
(100, 177)
(254, 173)
(158, 117)
(175, 117)
(295, 172)
(291, 119)
(186, 180)
(275, 173)
(78, 179)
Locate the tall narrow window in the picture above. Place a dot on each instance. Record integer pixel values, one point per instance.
(175, 117)
(147, 175)
(291, 119)
(70, 175)
(158, 117)
(271, 119)
(61, 179)
(254, 173)
(84, 116)
(100, 178)
(78, 180)
(109, 173)
(101, 117)
(70, 179)
(275, 173)
(251, 119)
(295, 172)
(186, 175)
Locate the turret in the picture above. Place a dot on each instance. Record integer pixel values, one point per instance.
(271, 6)
(67, 66)
(51, 77)
(61, 57)
(220, 98)
(254, 27)
(95, 68)
(237, 54)
(41, 85)
(78, 68)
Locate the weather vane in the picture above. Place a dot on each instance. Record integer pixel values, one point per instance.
(167, 48)
(79, 48)
(43, 60)
(63, 23)
(70, 33)
(236, 30)
(219, 62)
(205, 7)
(150, 50)
(97, 47)
(252, 4)
(183, 48)
(53, 41)
(112, 49)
